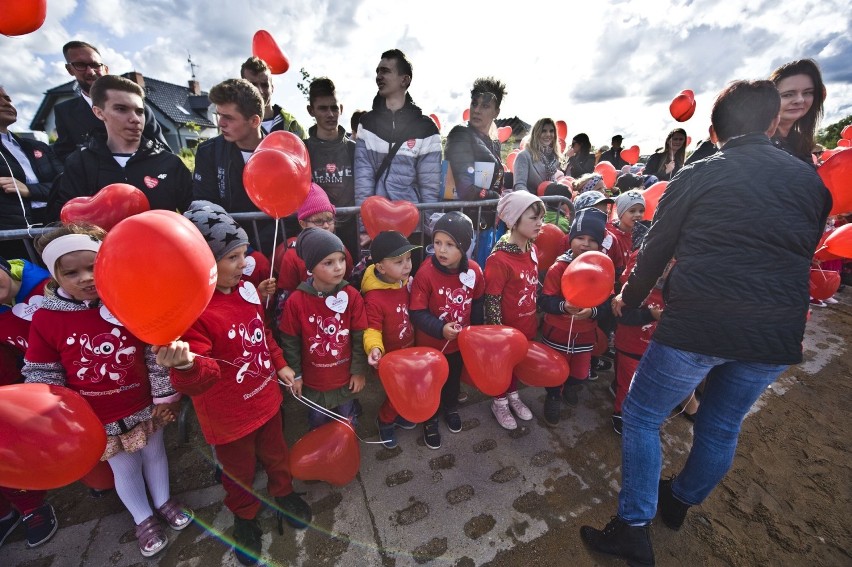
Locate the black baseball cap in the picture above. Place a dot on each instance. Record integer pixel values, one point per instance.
(390, 244)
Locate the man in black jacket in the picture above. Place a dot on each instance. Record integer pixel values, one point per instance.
(124, 155)
(613, 155)
(75, 119)
(742, 225)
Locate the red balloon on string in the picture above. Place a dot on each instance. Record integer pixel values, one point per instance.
(263, 46)
(601, 342)
(504, 133)
(289, 143)
(682, 107)
(183, 281)
(466, 114)
(549, 244)
(561, 129)
(413, 378)
(100, 477)
(839, 242)
(588, 280)
(608, 172)
(824, 283)
(276, 183)
(542, 367)
(688, 93)
(652, 197)
(846, 133)
(107, 207)
(437, 122)
(510, 160)
(20, 17)
(51, 437)
(630, 155)
(380, 213)
(562, 144)
(490, 352)
(836, 173)
(329, 453)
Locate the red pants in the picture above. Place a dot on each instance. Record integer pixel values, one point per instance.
(25, 501)
(387, 413)
(239, 458)
(625, 367)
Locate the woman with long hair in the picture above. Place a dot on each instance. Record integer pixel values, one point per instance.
(541, 160)
(664, 163)
(802, 96)
(581, 160)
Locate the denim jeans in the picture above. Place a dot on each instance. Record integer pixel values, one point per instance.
(346, 409)
(665, 377)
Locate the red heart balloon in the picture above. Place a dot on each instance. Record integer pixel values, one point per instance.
(329, 453)
(607, 171)
(413, 378)
(435, 119)
(652, 196)
(289, 143)
(562, 145)
(561, 129)
(182, 283)
(690, 94)
(504, 133)
(836, 173)
(588, 280)
(466, 115)
(107, 207)
(51, 437)
(839, 242)
(490, 352)
(682, 107)
(824, 283)
(630, 155)
(276, 182)
(21, 17)
(379, 213)
(549, 244)
(264, 47)
(542, 367)
(100, 477)
(601, 342)
(846, 133)
(510, 159)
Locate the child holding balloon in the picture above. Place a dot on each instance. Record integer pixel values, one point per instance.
(568, 329)
(76, 342)
(630, 208)
(511, 287)
(238, 403)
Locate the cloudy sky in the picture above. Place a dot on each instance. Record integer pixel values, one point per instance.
(605, 67)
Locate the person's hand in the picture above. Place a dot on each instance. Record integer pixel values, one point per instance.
(375, 356)
(12, 185)
(364, 240)
(656, 311)
(287, 375)
(569, 309)
(451, 331)
(174, 354)
(357, 382)
(167, 413)
(296, 388)
(583, 314)
(266, 288)
(617, 305)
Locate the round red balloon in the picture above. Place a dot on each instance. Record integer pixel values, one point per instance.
(276, 182)
(290, 144)
(379, 213)
(652, 197)
(836, 173)
(561, 129)
(549, 244)
(682, 107)
(824, 283)
(542, 367)
(630, 155)
(50, 436)
(510, 159)
(839, 242)
(490, 352)
(20, 17)
(413, 378)
(607, 171)
(100, 477)
(329, 453)
(107, 207)
(157, 305)
(263, 46)
(588, 280)
(466, 114)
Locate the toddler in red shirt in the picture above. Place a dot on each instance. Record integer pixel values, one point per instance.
(629, 208)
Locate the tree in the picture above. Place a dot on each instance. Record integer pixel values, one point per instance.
(829, 135)
(305, 83)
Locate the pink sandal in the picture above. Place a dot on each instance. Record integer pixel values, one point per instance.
(152, 539)
(175, 514)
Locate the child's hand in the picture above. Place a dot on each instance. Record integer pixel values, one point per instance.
(451, 331)
(266, 288)
(357, 382)
(656, 311)
(375, 356)
(287, 375)
(174, 354)
(583, 314)
(617, 304)
(167, 413)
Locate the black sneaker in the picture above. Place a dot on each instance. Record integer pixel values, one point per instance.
(8, 525)
(617, 423)
(602, 364)
(295, 510)
(95, 493)
(552, 407)
(247, 543)
(387, 434)
(403, 423)
(619, 538)
(593, 375)
(41, 524)
(571, 393)
(357, 410)
(672, 510)
(431, 434)
(454, 423)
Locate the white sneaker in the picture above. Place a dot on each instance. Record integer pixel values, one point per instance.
(500, 409)
(518, 407)
(831, 301)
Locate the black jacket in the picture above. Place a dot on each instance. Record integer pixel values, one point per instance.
(581, 164)
(46, 168)
(218, 176)
(655, 161)
(743, 225)
(161, 175)
(75, 123)
(465, 146)
(613, 157)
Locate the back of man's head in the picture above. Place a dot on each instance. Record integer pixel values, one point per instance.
(403, 65)
(241, 93)
(254, 65)
(321, 86)
(101, 87)
(745, 107)
(77, 45)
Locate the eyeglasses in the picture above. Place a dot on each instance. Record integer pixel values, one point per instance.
(321, 222)
(480, 99)
(81, 66)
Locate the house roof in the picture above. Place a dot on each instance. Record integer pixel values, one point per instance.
(519, 127)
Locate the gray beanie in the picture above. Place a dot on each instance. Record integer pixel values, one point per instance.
(314, 244)
(627, 200)
(221, 232)
(459, 226)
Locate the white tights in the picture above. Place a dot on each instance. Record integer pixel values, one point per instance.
(132, 471)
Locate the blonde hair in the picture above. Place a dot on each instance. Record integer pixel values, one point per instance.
(535, 136)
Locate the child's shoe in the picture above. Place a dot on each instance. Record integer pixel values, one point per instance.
(403, 423)
(8, 525)
(175, 514)
(617, 422)
(41, 524)
(454, 423)
(152, 539)
(387, 434)
(247, 542)
(431, 434)
(571, 392)
(500, 409)
(552, 407)
(295, 510)
(519, 408)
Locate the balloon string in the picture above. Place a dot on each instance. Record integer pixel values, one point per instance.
(568, 344)
(20, 199)
(272, 263)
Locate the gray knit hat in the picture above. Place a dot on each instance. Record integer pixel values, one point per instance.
(459, 226)
(314, 244)
(221, 232)
(627, 200)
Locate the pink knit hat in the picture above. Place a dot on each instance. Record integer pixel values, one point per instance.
(316, 202)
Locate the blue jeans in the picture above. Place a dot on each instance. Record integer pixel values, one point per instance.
(346, 409)
(665, 377)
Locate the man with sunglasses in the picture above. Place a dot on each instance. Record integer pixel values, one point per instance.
(75, 119)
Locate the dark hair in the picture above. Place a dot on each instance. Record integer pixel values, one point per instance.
(77, 45)
(745, 107)
(583, 140)
(489, 85)
(240, 92)
(403, 65)
(106, 83)
(804, 127)
(321, 86)
(356, 119)
(254, 65)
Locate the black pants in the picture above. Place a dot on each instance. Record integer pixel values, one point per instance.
(450, 390)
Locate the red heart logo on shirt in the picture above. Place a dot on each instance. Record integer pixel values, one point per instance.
(331, 168)
(151, 182)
